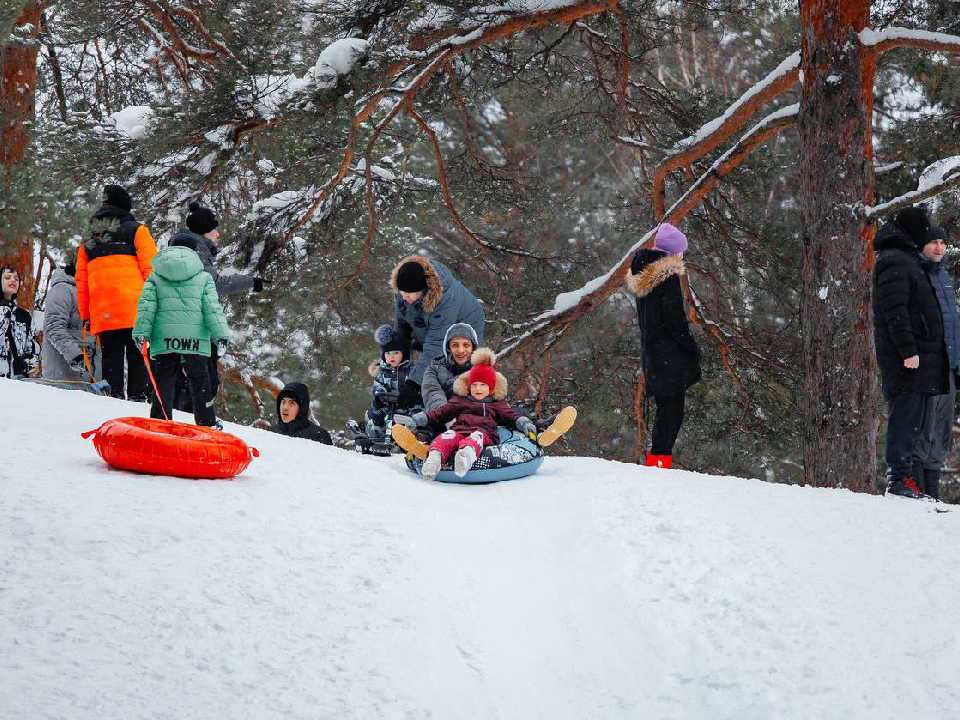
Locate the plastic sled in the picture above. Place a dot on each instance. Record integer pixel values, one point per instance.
(165, 447)
(512, 458)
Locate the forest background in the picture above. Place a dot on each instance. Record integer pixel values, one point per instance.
(333, 139)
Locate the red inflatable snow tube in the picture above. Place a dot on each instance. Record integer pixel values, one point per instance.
(164, 447)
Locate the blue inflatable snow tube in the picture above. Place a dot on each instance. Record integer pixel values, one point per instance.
(512, 458)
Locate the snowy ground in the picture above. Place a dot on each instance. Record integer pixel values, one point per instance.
(322, 584)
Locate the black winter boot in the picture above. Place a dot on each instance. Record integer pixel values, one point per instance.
(931, 483)
(905, 486)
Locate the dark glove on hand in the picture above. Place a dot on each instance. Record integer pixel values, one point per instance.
(258, 284)
(409, 395)
(221, 347)
(77, 365)
(140, 341)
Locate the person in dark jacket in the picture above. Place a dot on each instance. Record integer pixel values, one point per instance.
(669, 354)
(389, 373)
(19, 350)
(459, 342)
(112, 266)
(428, 301)
(293, 413)
(67, 348)
(476, 411)
(908, 336)
(936, 438)
(201, 236)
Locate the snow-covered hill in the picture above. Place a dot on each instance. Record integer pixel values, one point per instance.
(322, 584)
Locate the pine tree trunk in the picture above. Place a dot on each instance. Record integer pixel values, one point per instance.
(18, 76)
(836, 180)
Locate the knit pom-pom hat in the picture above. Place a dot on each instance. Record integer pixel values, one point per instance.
(389, 340)
(482, 371)
(201, 220)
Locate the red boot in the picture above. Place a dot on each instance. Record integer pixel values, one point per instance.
(660, 461)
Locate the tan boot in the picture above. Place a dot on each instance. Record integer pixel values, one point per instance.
(561, 423)
(405, 438)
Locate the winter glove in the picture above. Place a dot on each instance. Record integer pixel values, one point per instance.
(420, 418)
(221, 347)
(526, 426)
(77, 365)
(410, 395)
(140, 341)
(404, 420)
(258, 284)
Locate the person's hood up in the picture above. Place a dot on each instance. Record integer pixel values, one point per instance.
(893, 237)
(60, 276)
(177, 264)
(297, 392)
(434, 292)
(458, 330)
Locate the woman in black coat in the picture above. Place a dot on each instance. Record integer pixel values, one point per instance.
(671, 358)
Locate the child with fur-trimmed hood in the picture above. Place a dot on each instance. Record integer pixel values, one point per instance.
(478, 408)
(389, 373)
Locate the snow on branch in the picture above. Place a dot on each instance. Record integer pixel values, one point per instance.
(569, 307)
(433, 53)
(713, 133)
(771, 125)
(941, 175)
(896, 37)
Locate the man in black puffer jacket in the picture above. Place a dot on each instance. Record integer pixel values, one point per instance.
(293, 413)
(908, 333)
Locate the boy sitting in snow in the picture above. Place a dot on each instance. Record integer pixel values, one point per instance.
(476, 410)
(389, 374)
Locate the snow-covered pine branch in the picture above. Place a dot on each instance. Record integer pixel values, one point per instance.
(881, 41)
(937, 177)
(713, 133)
(594, 293)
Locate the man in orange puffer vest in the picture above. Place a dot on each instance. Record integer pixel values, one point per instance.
(112, 266)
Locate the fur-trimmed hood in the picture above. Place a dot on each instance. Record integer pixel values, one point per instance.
(481, 356)
(654, 273)
(431, 297)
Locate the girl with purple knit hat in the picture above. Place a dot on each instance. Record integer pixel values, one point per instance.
(670, 356)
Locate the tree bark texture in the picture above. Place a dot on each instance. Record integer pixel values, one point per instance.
(836, 181)
(18, 77)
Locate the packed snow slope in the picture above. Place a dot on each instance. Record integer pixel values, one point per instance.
(323, 584)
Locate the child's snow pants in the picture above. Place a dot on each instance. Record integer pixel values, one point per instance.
(166, 367)
(448, 442)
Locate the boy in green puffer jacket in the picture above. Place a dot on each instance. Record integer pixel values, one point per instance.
(178, 316)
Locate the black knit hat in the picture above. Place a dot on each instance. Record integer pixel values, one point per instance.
(916, 224)
(117, 196)
(937, 233)
(201, 220)
(389, 340)
(411, 277)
